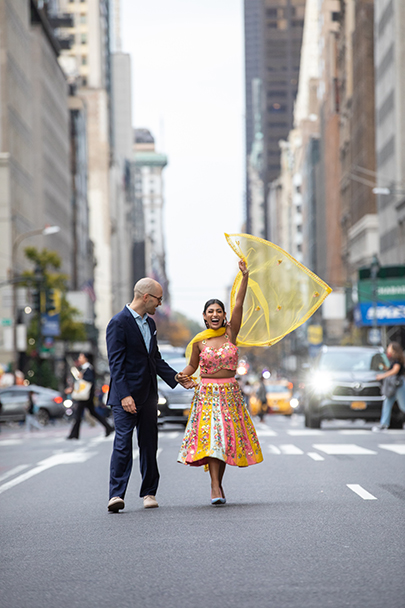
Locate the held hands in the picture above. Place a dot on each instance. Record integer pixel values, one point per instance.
(129, 405)
(185, 380)
(243, 268)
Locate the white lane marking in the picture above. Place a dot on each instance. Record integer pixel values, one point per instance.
(315, 456)
(342, 448)
(353, 432)
(355, 487)
(291, 450)
(43, 465)
(10, 442)
(14, 471)
(304, 432)
(172, 435)
(135, 453)
(398, 448)
(265, 433)
(273, 449)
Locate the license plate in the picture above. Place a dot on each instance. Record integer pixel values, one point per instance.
(358, 405)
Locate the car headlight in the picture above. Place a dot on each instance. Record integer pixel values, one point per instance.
(322, 383)
(68, 403)
(294, 403)
(162, 400)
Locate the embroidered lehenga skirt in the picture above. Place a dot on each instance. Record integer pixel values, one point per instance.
(219, 426)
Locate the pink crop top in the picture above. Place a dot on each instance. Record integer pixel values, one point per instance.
(214, 359)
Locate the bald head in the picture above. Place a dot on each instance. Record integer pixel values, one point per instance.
(146, 285)
(148, 296)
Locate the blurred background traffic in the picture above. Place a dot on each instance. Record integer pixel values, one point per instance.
(84, 215)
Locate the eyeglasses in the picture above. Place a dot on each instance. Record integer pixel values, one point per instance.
(160, 300)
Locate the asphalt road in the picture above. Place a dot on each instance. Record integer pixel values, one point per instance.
(320, 523)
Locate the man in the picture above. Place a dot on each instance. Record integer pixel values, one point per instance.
(135, 361)
(87, 373)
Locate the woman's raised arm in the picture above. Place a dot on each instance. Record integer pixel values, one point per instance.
(236, 319)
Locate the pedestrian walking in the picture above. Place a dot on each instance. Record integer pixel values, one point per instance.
(219, 429)
(135, 361)
(31, 420)
(261, 396)
(393, 385)
(86, 373)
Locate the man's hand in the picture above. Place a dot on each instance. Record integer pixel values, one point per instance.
(129, 405)
(185, 381)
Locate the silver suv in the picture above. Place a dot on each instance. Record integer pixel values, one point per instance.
(342, 384)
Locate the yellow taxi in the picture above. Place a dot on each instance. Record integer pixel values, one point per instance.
(278, 395)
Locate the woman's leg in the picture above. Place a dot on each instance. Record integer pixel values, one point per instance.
(214, 466)
(386, 411)
(221, 474)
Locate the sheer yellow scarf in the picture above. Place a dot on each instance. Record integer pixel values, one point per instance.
(281, 295)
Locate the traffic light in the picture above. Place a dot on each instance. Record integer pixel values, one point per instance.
(50, 304)
(36, 300)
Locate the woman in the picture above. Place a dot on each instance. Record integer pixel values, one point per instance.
(219, 429)
(396, 370)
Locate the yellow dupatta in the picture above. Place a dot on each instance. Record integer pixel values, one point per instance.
(281, 295)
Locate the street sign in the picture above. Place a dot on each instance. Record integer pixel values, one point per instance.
(6, 322)
(389, 305)
(50, 325)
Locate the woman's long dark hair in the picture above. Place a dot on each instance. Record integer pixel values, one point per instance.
(213, 301)
(209, 303)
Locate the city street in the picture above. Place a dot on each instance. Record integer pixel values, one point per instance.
(319, 523)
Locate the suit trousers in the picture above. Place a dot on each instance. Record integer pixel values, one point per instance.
(145, 421)
(80, 407)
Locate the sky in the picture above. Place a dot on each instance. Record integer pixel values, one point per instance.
(188, 90)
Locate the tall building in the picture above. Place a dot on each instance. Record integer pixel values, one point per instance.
(87, 61)
(273, 36)
(389, 24)
(357, 136)
(149, 165)
(122, 196)
(34, 143)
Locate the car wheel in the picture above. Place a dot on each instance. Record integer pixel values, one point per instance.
(312, 422)
(43, 416)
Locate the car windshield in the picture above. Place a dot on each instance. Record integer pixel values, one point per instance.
(276, 388)
(352, 361)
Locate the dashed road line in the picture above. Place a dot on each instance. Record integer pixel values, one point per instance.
(266, 433)
(360, 491)
(273, 449)
(14, 471)
(11, 442)
(43, 465)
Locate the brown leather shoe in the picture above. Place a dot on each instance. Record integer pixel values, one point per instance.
(115, 504)
(149, 502)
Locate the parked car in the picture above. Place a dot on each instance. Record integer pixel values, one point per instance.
(174, 403)
(278, 396)
(14, 401)
(342, 384)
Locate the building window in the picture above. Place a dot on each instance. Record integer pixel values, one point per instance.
(84, 59)
(84, 81)
(271, 13)
(83, 18)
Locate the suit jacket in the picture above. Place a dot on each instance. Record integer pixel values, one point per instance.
(89, 376)
(133, 369)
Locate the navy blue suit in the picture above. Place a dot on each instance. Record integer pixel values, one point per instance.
(134, 372)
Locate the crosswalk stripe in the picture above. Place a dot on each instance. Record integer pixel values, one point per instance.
(398, 448)
(291, 450)
(14, 471)
(304, 432)
(273, 449)
(342, 448)
(315, 456)
(357, 489)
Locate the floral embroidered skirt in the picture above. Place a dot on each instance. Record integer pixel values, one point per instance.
(219, 426)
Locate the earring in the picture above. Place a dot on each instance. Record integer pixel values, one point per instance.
(224, 323)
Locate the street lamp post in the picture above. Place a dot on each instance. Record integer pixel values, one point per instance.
(13, 278)
(374, 268)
